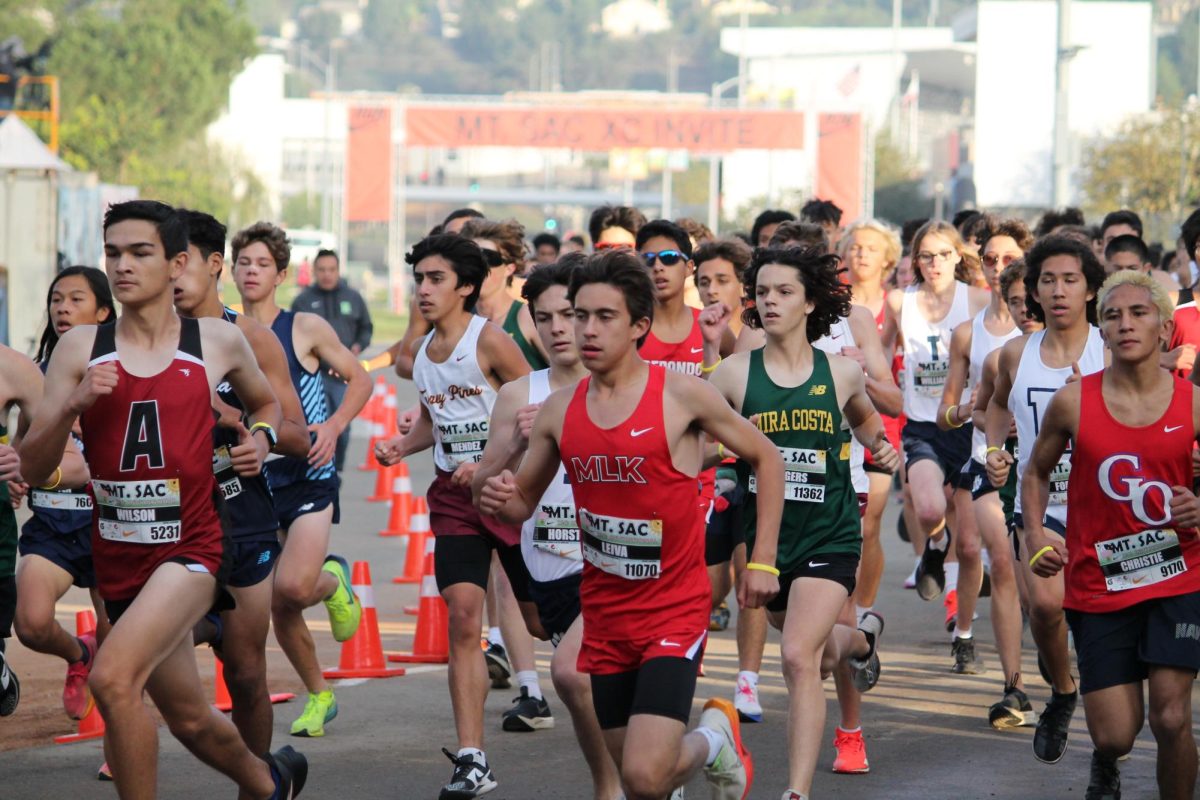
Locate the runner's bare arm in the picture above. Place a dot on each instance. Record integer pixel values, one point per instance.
(1058, 428)
(69, 390)
(513, 498)
(418, 437)
(987, 386)
(499, 357)
(329, 350)
(292, 432)
(505, 443)
(952, 408)
(860, 412)
(999, 419)
(20, 386)
(730, 380)
(881, 387)
(893, 301)
(405, 350)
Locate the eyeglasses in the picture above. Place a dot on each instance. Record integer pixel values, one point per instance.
(925, 259)
(669, 258)
(991, 259)
(493, 258)
(602, 246)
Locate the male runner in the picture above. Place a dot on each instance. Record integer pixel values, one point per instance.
(801, 397)
(630, 437)
(305, 489)
(141, 390)
(1130, 557)
(458, 369)
(1061, 280)
(550, 538)
(240, 633)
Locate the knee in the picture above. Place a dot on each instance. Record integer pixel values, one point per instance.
(572, 686)
(465, 620)
(1114, 742)
(800, 663)
(1002, 571)
(109, 686)
(188, 726)
(32, 632)
(929, 513)
(289, 594)
(1170, 720)
(1042, 613)
(967, 548)
(246, 675)
(644, 780)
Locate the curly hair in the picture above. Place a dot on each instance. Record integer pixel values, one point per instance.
(1015, 271)
(508, 236)
(799, 234)
(272, 236)
(968, 263)
(1013, 228)
(823, 287)
(1058, 245)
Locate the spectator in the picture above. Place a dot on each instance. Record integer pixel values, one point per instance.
(546, 248)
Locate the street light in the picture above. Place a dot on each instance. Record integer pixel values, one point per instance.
(715, 162)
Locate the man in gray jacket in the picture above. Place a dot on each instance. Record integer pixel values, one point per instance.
(332, 299)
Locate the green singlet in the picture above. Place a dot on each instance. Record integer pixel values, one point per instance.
(513, 328)
(820, 510)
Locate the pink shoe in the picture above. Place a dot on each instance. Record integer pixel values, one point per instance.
(77, 698)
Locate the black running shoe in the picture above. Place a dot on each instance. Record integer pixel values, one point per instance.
(498, 667)
(1104, 782)
(966, 660)
(864, 672)
(528, 714)
(1044, 671)
(1050, 738)
(931, 572)
(1013, 710)
(10, 688)
(470, 778)
(293, 772)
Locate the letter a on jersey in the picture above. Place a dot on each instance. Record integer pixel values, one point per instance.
(142, 437)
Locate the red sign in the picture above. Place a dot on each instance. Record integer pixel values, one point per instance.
(369, 165)
(840, 162)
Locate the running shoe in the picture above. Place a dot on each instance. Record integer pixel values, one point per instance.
(498, 667)
(966, 660)
(718, 618)
(864, 672)
(290, 771)
(851, 758)
(1104, 782)
(731, 775)
(745, 700)
(1012, 711)
(790, 795)
(902, 527)
(911, 581)
(527, 714)
(1050, 738)
(951, 605)
(471, 778)
(104, 773)
(985, 588)
(931, 570)
(345, 611)
(10, 688)
(321, 708)
(77, 697)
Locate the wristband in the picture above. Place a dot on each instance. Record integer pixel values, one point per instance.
(265, 427)
(762, 568)
(57, 479)
(992, 449)
(1039, 554)
(951, 422)
(720, 451)
(704, 370)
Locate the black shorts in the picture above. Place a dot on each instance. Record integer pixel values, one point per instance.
(113, 609)
(1018, 526)
(1120, 647)
(305, 497)
(468, 559)
(841, 568)
(948, 449)
(664, 687)
(724, 531)
(71, 552)
(251, 560)
(8, 604)
(557, 603)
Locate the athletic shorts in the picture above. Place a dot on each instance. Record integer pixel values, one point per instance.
(862, 498)
(841, 568)
(1120, 647)
(113, 609)
(8, 604)
(305, 497)
(663, 686)
(557, 603)
(948, 449)
(452, 513)
(251, 560)
(468, 559)
(724, 530)
(982, 487)
(70, 552)
(612, 656)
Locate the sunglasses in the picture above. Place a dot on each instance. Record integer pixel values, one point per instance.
(991, 259)
(669, 258)
(493, 258)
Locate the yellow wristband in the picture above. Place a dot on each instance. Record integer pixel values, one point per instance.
(991, 449)
(1040, 553)
(704, 370)
(57, 479)
(720, 451)
(951, 422)
(762, 568)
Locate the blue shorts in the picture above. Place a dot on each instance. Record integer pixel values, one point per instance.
(948, 449)
(69, 551)
(305, 497)
(557, 603)
(251, 560)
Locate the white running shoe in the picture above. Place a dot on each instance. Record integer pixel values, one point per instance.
(731, 775)
(745, 700)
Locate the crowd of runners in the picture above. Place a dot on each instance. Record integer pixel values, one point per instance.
(622, 437)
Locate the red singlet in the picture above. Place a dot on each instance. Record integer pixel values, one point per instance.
(149, 449)
(1123, 549)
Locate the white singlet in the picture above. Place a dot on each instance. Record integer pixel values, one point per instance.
(840, 336)
(1032, 387)
(459, 398)
(982, 344)
(927, 352)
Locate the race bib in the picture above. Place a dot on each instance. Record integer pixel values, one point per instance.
(227, 479)
(59, 501)
(1140, 559)
(462, 442)
(555, 531)
(1059, 477)
(627, 548)
(804, 475)
(928, 377)
(139, 512)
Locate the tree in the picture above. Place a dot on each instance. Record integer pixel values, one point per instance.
(899, 190)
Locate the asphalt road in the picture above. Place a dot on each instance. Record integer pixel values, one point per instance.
(926, 729)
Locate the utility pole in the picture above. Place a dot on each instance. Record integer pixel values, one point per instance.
(1062, 62)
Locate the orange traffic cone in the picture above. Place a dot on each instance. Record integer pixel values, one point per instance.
(419, 547)
(385, 479)
(370, 411)
(91, 726)
(400, 517)
(362, 653)
(431, 643)
(371, 415)
(224, 702)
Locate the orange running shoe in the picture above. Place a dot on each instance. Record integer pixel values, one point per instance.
(951, 604)
(77, 697)
(851, 758)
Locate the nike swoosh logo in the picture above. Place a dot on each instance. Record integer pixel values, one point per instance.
(1171, 428)
(666, 643)
(460, 358)
(814, 564)
(306, 507)
(696, 350)
(636, 434)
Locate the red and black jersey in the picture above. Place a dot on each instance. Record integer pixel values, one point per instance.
(149, 449)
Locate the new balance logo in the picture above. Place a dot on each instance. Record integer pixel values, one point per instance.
(816, 390)
(264, 556)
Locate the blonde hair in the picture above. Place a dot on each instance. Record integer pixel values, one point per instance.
(968, 264)
(890, 236)
(1130, 277)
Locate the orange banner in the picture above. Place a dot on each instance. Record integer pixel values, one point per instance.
(840, 163)
(369, 165)
(603, 129)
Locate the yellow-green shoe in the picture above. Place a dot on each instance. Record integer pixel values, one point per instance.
(320, 708)
(344, 609)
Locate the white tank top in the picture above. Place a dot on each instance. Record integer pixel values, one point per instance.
(459, 398)
(1032, 388)
(927, 352)
(840, 336)
(550, 539)
(982, 344)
